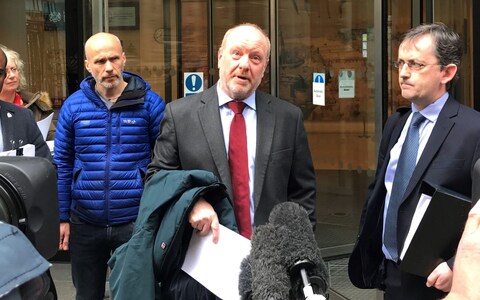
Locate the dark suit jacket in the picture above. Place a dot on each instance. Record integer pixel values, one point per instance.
(447, 160)
(191, 138)
(19, 128)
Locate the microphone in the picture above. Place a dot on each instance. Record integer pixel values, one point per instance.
(270, 280)
(285, 261)
(300, 252)
(245, 279)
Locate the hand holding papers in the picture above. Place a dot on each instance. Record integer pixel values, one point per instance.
(217, 266)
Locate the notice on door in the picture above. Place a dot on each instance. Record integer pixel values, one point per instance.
(318, 87)
(346, 83)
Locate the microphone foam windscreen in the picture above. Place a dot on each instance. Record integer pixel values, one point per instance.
(245, 279)
(270, 278)
(296, 241)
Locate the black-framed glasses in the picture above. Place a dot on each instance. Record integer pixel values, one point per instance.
(412, 65)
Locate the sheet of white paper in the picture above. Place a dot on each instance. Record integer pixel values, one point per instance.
(217, 266)
(28, 150)
(44, 125)
(422, 206)
(9, 153)
(50, 145)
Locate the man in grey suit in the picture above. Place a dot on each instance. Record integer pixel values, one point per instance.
(195, 135)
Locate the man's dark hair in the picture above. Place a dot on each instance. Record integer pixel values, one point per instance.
(448, 45)
(4, 56)
(3, 71)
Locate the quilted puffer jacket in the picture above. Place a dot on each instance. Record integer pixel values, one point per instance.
(102, 154)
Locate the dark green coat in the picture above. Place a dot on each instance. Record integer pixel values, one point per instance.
(162, 231)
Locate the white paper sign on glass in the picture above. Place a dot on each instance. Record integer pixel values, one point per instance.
(346, 84)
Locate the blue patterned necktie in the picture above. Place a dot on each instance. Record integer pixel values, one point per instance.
(406, 164)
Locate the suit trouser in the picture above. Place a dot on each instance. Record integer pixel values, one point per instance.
(402, 286)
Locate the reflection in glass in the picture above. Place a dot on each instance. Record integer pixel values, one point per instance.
(334, 38)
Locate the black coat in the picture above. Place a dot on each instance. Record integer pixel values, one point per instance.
(19, 128)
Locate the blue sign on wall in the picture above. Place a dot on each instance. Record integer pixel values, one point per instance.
(319, 78)
(193, 83)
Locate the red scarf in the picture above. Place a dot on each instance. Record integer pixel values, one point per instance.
(18, 100)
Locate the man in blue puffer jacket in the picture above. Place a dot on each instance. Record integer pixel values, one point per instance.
(105, 134)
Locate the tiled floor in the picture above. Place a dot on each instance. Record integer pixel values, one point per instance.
(341, 285)
(63, 280)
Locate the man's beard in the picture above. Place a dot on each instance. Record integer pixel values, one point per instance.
(111, 84)
(242, 92)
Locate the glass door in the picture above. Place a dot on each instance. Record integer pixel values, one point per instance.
(334, 38)
(458, 16)
(150, 36)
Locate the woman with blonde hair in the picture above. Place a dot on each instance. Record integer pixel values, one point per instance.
(14, 90)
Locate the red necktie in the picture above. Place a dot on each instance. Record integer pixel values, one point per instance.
(238, 161)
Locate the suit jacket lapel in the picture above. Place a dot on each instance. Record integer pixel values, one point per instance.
(265, 130)
(211, 123)
(439, 133)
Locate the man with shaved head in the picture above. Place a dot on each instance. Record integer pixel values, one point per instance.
(105, 135)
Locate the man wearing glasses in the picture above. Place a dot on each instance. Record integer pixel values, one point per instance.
(437, 140)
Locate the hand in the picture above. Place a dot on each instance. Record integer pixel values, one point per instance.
(203, 218)
(441, 278)
(466, 270)
(64, 236)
